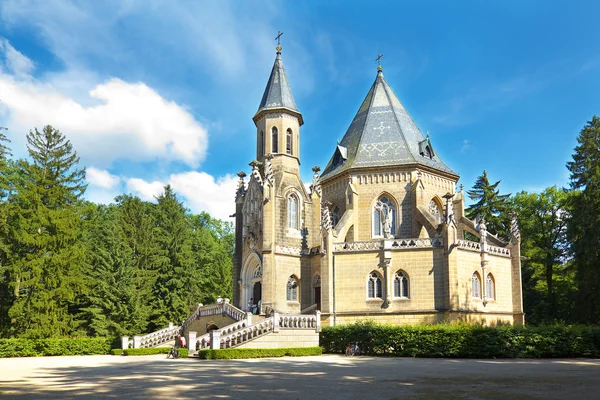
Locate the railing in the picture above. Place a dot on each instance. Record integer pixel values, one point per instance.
(416, 243)
(203, 342)
(394, 244)
(468, 245)
(234, 312)
(245, 334)
(309, 309)
(159, 337)
(358, 246)
(475, 246)
(297, 321)
(214, 309)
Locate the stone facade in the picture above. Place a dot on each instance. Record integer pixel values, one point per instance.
(379, 235)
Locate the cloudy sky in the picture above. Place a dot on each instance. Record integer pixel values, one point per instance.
(156, 92)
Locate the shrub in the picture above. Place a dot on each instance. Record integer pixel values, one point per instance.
(53, 347)
(228, 354)
(461, 340)
(116, 352)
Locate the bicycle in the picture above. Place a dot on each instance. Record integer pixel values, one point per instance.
(173, 353)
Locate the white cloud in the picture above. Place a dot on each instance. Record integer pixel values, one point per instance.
(122, 116)
(205, 193)
(145, 190)
(14, 60)
(101, 178)
(198, 190)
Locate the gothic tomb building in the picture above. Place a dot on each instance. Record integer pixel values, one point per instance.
(380, 235)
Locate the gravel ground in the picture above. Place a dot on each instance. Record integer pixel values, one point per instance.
(330, 376)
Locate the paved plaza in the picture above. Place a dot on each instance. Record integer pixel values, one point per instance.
(328, 377)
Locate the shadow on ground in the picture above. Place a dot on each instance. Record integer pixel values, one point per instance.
(330, 377)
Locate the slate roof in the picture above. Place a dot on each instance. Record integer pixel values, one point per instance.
(383, 134)
(277, 94)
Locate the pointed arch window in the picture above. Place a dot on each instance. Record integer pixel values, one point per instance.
(292, 212)
(384, 213)
(261, 144)
(288, 141)
(435, 210)
(292, 289)
(475, 286)
(374, 286)
(401, 285)
(490, 287)
(274, 139)
(335, 216)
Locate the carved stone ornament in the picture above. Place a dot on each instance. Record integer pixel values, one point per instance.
(325, 218)
(268, 170)
(386, 213)
(514, 227)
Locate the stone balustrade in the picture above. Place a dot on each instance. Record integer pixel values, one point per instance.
(156, 338)
(358, 246)
(234, 312)
(203, 342)
(243, 335)
(285, 321)
(393, 244)
(475, 246)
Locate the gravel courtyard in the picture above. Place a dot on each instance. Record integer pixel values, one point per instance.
(331, 377)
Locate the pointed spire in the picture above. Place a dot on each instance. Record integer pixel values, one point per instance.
(383, 134)
(278, 94)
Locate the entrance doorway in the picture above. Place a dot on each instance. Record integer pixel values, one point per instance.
(256, 297)
(318, 297)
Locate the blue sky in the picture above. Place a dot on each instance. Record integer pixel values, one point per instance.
(156, 92)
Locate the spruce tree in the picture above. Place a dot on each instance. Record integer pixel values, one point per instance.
(489, 204)
(45, 232)
(176, 288)
(585, 219)
(6, 297)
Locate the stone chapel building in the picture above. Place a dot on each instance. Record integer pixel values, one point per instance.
(380, 235)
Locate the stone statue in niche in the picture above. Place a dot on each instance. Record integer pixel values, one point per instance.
(387, 215)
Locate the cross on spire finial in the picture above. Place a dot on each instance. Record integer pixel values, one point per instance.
(378, 59)
(278, 38)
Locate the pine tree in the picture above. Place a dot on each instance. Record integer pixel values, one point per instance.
(585, 219)
(45, 230)
(176, 288)
(6, 297)
(490, 204)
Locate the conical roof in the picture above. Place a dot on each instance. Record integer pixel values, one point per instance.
(277, 94)
(383, 134)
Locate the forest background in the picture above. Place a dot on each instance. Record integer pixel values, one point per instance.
(70, 267)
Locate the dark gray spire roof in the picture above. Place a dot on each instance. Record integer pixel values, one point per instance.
(278, 93)
(383, 134)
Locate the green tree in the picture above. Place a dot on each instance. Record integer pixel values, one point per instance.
(46, 251)
(489, 204)
(177, 284)
(583, 225)
(543, 224)
(6, 297)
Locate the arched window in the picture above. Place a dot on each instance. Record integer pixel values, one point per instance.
(261, 144)
(292, 211)
(274, 139)
(401, 285)
(292, 289)
(490, 287)
(288, 142)
(335, 216)
(475, 286)
(384, 212)
(374, 286)
(434, 209)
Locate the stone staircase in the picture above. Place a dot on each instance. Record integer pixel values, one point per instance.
(244, 331)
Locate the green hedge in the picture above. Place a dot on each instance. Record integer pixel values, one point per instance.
(228, 354)
(54, 347)
(183, 353)
(464, 340)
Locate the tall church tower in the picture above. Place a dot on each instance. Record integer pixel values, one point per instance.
(274, 210)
